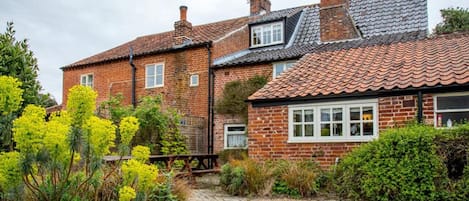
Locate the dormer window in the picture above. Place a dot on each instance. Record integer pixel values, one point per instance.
(267, 34)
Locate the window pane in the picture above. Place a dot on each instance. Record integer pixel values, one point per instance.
(256, 36)
(355, 113)
(289, 65)
(194, 79)
(309, 130)
(297, 116)
(450, 119)
(83, 80)
(309, 115)
(150, 70)
(267, 34)
(368, 128)
(277, 33)
(150, 82)
(355, 129)
(236, 141)
(90, 80)
(325, 130)
(298, 130)
(337, 114)
(159, 80)
(236, 128)
(159, 70)
(325, 114)
(278, 69)
(453, 102)
(337, 130)
(367, 113)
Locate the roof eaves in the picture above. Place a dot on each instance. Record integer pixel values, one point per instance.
(157, 51)
(369, 93)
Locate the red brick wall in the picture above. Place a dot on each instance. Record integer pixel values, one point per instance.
(232, 42)
(115, 77)
(268, 131)
(223, 76)
(396, 111)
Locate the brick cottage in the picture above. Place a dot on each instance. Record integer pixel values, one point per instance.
(340, 71)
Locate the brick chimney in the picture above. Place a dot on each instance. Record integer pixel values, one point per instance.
(259, 7)
(335, 21)
(182, 28)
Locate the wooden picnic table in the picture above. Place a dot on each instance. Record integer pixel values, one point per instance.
(204, 163)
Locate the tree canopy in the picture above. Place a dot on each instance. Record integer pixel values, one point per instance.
(18, 61)
(454, 20)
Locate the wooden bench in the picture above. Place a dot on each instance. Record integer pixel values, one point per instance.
(204, 163)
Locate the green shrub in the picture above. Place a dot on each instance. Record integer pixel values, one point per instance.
(292, 178)
(401, 165)
(232, 154)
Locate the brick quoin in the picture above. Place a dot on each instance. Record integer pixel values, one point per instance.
(268, 131)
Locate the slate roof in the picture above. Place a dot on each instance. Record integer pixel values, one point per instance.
(164, 41)
(277, 15)
(372, 17)
(439, 61)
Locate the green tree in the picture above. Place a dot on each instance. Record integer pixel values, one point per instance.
(454, 20)
(16, 60)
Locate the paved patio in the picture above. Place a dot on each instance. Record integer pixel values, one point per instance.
(208, 189)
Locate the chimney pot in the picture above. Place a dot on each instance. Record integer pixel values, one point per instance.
(183, 13)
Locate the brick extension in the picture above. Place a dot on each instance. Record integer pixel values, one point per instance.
(268, 131)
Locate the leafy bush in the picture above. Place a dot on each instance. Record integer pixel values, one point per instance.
(159, 129)
(232, 154)
(401, 165)
(236, 92)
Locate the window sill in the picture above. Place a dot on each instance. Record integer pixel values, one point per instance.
(266, 45)
(154, 87)
(333, 140)
(236, 147)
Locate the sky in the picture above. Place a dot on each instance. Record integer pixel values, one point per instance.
(61, 32)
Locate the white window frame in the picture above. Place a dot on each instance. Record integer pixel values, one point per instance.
(346, 137)
(155, 84)
(192, 84)
(87, 78)
(435, 106)
(226, 133)
(286, 65)
(267, 27)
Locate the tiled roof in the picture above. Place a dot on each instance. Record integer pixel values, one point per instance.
(164, 41)
(439, 61)
(372, 17)
(297, 51)
(276, 15)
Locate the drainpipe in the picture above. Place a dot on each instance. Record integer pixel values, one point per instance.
(134, 69)
(210, 101)
(420, 107)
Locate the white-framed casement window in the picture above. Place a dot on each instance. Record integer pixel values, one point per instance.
(154, 75)
(267, 34)
(279, 67)
(235, 136)
(451, 109)
(350, 121)
(194, 80)
(87, 80)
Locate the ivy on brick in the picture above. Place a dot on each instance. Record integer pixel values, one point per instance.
(236, 93)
